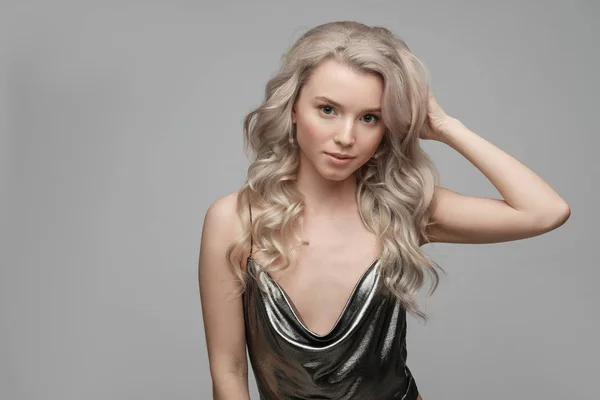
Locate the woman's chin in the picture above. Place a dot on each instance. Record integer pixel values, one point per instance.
(336, 176)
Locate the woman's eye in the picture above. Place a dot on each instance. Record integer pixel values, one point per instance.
(370, 118)
(373, 118)
(326, 109)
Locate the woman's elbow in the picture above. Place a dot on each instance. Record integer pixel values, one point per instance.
(230, 385)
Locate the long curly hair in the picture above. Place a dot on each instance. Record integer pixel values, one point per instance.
(395, 187)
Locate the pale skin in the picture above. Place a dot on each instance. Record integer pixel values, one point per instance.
(338, 240)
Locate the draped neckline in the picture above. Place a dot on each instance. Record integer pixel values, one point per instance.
(298, 317)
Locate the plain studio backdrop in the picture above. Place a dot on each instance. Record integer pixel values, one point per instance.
(121, 123)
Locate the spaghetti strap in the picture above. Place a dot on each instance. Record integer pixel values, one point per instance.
(251, 242)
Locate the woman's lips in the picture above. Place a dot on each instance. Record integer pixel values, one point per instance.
(338, 160)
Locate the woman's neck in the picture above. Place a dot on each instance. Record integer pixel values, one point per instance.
(323, 197)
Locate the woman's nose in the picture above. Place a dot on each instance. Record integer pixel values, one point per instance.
(344, 135)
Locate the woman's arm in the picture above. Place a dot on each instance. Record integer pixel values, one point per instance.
(221, 309)
(529, 207)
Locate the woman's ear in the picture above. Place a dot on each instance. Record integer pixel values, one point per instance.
(294, 114)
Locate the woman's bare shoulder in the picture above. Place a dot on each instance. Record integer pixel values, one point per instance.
(222, 217)
(224, 206)
(223, 226)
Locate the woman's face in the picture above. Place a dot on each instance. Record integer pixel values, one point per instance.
(338, 111)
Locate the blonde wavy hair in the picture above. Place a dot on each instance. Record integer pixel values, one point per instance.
(395, 187)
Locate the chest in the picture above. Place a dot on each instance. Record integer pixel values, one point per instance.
(324, 273)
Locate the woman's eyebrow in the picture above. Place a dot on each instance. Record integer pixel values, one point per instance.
(335, 103)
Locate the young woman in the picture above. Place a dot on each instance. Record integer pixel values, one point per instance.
(313, 264)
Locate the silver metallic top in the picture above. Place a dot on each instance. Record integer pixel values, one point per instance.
(362, 357)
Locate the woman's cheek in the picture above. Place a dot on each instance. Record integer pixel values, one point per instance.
(313, 129)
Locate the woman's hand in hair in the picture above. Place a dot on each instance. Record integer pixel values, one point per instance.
(437, 122)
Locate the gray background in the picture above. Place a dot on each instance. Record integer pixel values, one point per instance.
(121, 123)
